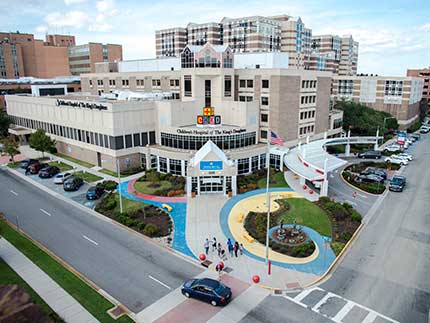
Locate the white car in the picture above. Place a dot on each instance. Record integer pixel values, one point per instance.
(61, 177)
(392, 148)
(396, 160)
(405, 156)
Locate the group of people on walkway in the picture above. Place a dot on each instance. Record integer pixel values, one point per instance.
(234, 249)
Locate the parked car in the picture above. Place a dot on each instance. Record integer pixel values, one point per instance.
(375, 171)
(73, 183)
(392, 148)
(36, 167)
(27, 162)
(208, 290)
(405, 156)
(371, 154)
(95, 192)
(424, 129)
(49, 171)
(397, 183)
(396, 160)
(61, 177)
(370, 178)
(416, 136)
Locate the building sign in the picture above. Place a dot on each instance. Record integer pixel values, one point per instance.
(86, 105)
(210, 132)
(211, 165)
(208, 117)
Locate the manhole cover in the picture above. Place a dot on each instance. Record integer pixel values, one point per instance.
(206, 263)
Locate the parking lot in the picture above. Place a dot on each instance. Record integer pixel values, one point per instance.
(78, 196)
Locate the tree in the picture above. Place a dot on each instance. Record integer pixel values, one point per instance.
(424, 108)
(41, 142)
(10, 147)
(364, 121)
(5, 121)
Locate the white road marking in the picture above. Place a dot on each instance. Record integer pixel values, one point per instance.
(14, 193)
(90, 240)
(361, 195)
(295, 301)
(305, 293)
(47, 213)
(370, 317)
(322, 301)
(344, 310)
(161, 283)
(350, 202)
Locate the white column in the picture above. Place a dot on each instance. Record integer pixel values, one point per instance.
(233, 185)
(198, 185)
(158, 163)
(183, 170)
(281, 162)
(347, 150)
(324, 186)
(250, 164)
(168, 165)
(325, 135)
(376, 143)
(307, 139)
(259, 164)
(224, 186)
(189, 181)
(302, 180)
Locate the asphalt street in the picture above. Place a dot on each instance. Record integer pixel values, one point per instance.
(134, 271)
(387, 268)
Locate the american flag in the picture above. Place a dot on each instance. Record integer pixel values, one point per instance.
(275, 139)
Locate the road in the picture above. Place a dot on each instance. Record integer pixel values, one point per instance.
(387, 268)
(134, 271)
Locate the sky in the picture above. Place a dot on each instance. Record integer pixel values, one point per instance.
(393, 35)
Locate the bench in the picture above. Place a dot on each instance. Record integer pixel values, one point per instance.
(248, 237)
(240, 217)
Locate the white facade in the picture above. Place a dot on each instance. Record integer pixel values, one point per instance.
(368, 91)
(261, 60)
(150, 65)
(416, 90)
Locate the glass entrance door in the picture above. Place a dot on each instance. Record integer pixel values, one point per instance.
(211, 184)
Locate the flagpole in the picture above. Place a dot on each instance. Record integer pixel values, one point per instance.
(269, 136)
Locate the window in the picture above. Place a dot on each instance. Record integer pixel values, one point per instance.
(242, 83)
(156, 82)
(100, 82)
(119, 142)
(111, 82)
(254, 163)
(263, 134)
(249, 83)
(152, 137)
(125, 82)
(264, 100)
(140, 82)
(175, 167)
(275, 161)
(243, 166)
(144, 139)
(227, 86)
(264, 118)
(345, 87)
(128, 142)
(136, 139)
(153, 162)
(187, 85)
(163, 164)
(265, 84)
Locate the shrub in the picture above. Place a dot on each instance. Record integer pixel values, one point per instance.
(355, 216)
(108, 185)
(151, 230)
(140, 226)
(337, 247)
(110, 204)
(345, 236)
(324, 200)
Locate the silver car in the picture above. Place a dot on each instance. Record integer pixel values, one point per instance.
(61, 177)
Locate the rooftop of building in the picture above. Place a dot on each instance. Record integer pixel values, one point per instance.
(33, 80)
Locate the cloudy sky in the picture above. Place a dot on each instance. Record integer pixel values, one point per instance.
(394, 35)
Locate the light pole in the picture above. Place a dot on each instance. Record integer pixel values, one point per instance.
(119, 183)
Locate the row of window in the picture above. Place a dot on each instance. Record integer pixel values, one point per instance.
(308, 84)
(307, 99)
(89, 137)
(306, 129)
(140, 82)
(307, 115)
(196, 142)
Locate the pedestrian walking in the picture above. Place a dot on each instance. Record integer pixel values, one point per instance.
(223, 255)
(213, 244)
(230, 247)
(241, 248)
(219, 249)
(206, 245)
(236, 248)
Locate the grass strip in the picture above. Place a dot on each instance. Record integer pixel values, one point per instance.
(62, 166)
(279, 179)
(88, 177)
(74, 160)
(95, 303)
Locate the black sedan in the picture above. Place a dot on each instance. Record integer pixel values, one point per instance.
(49, 171)
(397, 184)
(371, 154)
(73, 183)
(27, 162)
(375, 171)
(208, 290)
(370, 178)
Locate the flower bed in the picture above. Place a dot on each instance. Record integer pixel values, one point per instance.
(155, 183)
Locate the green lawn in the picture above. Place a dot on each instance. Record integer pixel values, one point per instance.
(10, 277)
(308, 214)
(14, 165)
(143, 187)
(128, 205)
(280, 181)
(62, 166)
(95, 303)
(111, 173)
(77, 161)
(88, 177)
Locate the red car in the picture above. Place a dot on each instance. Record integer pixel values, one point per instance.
(36, 167)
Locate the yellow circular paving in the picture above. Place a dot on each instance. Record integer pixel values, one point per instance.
(257, 203)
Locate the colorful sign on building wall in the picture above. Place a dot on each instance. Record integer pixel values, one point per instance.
(208, 117)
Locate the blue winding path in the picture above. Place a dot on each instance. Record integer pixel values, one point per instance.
(178, 214)
(317, 266)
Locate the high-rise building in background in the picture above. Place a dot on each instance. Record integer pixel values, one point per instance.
(82, 58)
(423, 73)
(23, 55)
(280, 33)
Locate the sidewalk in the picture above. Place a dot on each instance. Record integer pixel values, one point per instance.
(56, 297)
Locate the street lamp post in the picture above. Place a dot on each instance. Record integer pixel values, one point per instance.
(119, 184)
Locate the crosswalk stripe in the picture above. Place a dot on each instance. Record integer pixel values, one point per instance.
(343, 312)
(305, 293)
(321, 302)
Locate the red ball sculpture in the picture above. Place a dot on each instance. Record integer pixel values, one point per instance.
(202, 257)
(305, 187)
(256, 279)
